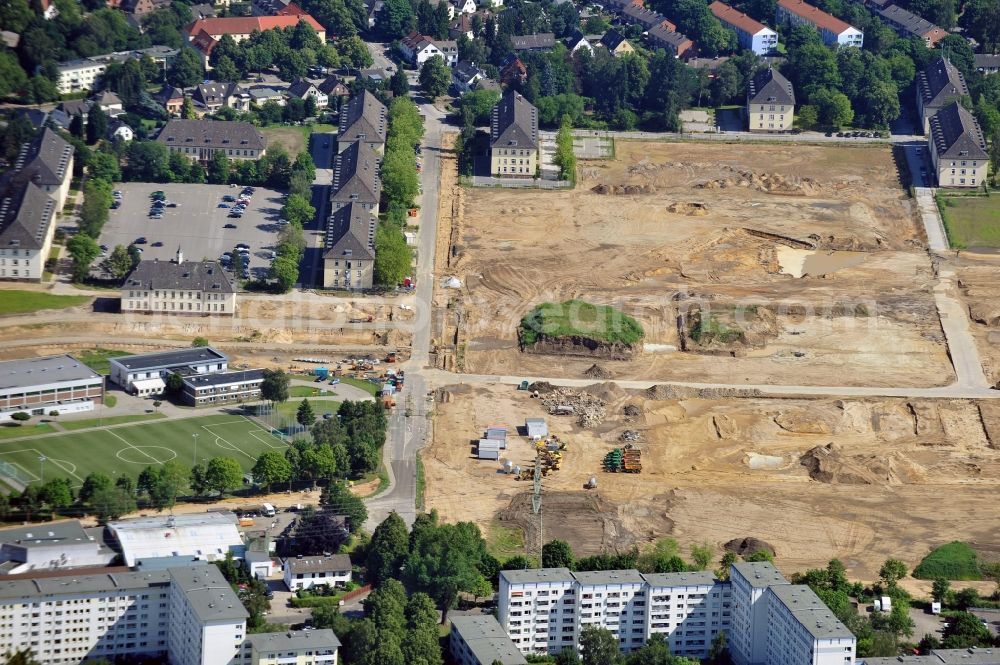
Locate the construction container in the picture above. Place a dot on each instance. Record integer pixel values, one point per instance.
(489, 449)
(536, 428)
(508, 466)
(321, 372)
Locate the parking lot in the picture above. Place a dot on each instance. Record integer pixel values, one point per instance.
(197, 225)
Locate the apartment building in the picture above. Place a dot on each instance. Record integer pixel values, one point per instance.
(203, 34)
(908, 24)
(84, 73)
(938, 85)
(770, 102)
(178, 287)
(514, 144)
(689, 609)
(134, 372)
(418, 49)
(222, 388)
(306, 572)
(51, 383)
(831, 29)
(751, 34)
(767, 620)
(207, 621)
(349, 257)
(479, 640)
(363, 118)
(356, 178)
(200, 139)
(293, 647)
(958, 149)
(670, 40)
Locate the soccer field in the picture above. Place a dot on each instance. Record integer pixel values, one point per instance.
(128, 450)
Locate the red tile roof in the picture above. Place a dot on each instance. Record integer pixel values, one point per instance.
(292, 9)
(814, 15)
(734, 17)
(244, 25)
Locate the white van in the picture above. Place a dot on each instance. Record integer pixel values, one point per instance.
(267, 510)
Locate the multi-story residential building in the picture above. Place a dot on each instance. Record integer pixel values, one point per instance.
(938, 85)
(908, 24)
(349, 258)
(46, 161)
(222, 388)
(770, 102)
(52, 546)
(134, 372)
(751, 34)
(689, 609)
(831, 29)
(418, 49)
(205, 33)
(987, 63)
(767, 621)
(479, 640)
(514, 143)
(211, 96)
(970, 656)
(670, 40)
(363, 118)
(305, 572)
(958, 149)
(82, 74)
(526, 603)
(207, 623)
(200, 139)
(179, 287)
(293, 647)
(303, 90)
(647, 18)
(802, 630)
(356, 178)
(52, 383)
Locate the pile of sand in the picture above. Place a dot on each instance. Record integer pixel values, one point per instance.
(749, 545)
(596, 371)
(830, 464)
(616, 190)
(769, 183)
(693, 209)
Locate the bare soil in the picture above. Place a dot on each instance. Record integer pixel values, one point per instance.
(979, 283)
(664, 225)
(901, 477)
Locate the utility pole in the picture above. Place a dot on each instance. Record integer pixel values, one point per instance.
(536, 502)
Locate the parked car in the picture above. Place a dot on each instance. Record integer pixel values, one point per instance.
(141, 240)
(116, 204)
(223, 205)
(228, 198)
(229, 226)
(157, 244)
(243, 245)
(171, 205)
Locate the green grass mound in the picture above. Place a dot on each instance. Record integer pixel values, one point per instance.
(953, 561)
(577, 318)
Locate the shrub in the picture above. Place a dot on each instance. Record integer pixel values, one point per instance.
(110, 401)
(20, 416)
(577, 318)
(953, 561)
(53, 413)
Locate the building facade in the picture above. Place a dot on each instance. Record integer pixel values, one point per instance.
(908, 24)
(770, 102)
(831, 29)
(204, 536)
(200, 139)
(51, 546)
(178, 287)
(514, 144)
(127, 370)
(938, 85)
(40, 386)
(222, 388)
(957, 148)
(802, 629)
(293, 647)
(84, 73)
(751, 34)
(356, 178)
(349, 257)
(670, 40)
(688, 609)
(306, 572)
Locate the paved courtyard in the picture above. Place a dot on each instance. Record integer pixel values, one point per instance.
(196, 225)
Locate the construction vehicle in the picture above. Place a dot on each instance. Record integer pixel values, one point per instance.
(388, 402)
(391, 358)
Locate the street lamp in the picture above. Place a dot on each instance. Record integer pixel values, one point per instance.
(41, 468)
(194, 458)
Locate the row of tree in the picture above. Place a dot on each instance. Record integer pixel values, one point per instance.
(400, 186)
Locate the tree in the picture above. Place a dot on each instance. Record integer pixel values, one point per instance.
(147, 161)
(274, 387)
(118, 264)
(557, 554)
(598, 646)
(702, 555)
(834, 108)
(891, 572)
(218, 168)
(223, 473)
(340, 499)
(388, 548)
(435, 77)
(271, 467)
(199, 341)
(965, 630)
(966, 598)
(759, 555)
(399, 175)
(174, 384)
(565, 157)
(421, 642)
(20, 416)
(110, 503)
(57, 493)
(225, 70)
(97, 124)
(91, 485)
(94, 211)
(187, 109)
(728, 559)
(84, 250)
(393, 257)
(199, 485)
(995, 153)
(104, 165)
(304, 415)
(395, 20)
(285, 271)
(718, 654)
(568, 656)
(187, 69)
(297, 210)
(162, 484)
(399, 84)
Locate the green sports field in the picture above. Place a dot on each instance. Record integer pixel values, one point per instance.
(127, 450)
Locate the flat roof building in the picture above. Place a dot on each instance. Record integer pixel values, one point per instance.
(293, 647)
(480, 640)
(126, 370)
(208, 536)
(51, 383)
(222, 387)
(51, 546)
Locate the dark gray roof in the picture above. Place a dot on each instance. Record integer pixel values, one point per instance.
(486, 639)
(42, 588)
(168, 92)
(645, 17)
(940, 83)
(108, 98)
(466, 71)
(45, 160)
(770, 87)
(811, 613)
(538, 41)
(73, 107)
(331, 84)
(350, 234)
(908, 21)
(212, 134)
(189, 275)
(223, 378)
(294, 639)
(987, 61)
(956, 134)
(215, 92)
(169, 359)
(514, 122)
(319, 564)
(660, 36)
(300, 88)
(208, 593)
(612, 39)
(27, 372)
(355, 175)
(363, 116)
(26, 212)
(45, 535)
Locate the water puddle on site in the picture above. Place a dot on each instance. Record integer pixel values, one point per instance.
(801, 262)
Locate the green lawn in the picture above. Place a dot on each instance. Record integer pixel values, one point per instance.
(31, 429)
(23, 302)
(295, 138)
(73, 425)
(577, 318)
(320, 405)
(503, 542)
(952, 561)
(367, 386)
(97, 359)
(127, 450)
(971, 221)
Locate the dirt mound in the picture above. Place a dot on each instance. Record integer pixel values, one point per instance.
(617, 190)
(595, 371)
(805, 421)
(586, 521)
(662, 391)
(770, 183)
(749, 545)
(541, 387)
(830, 464)
(630, 436)
(631, 412)
(693, 208)
(607, 391)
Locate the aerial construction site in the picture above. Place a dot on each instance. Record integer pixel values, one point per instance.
(792, 360)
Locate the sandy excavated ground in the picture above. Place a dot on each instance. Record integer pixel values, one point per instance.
(664, 224)
(979, 282)
(901, 477)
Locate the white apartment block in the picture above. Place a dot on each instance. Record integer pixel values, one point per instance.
(293, 647)
(751, 34)
(207, 619)
(831, 29)
(767, 620)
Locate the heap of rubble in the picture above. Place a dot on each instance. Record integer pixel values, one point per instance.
(590, 410)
